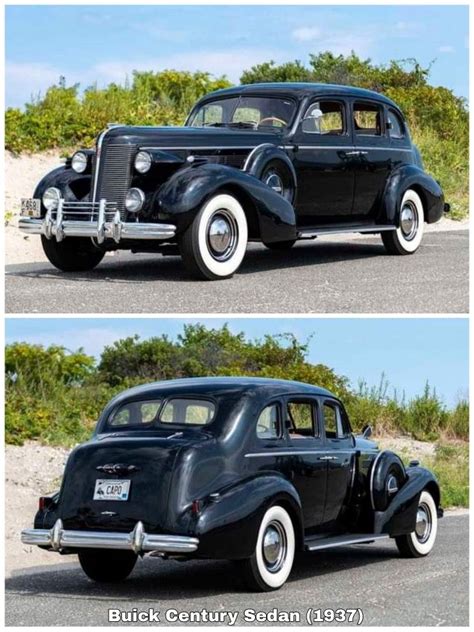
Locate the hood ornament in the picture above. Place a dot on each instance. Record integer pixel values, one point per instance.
(117, 468)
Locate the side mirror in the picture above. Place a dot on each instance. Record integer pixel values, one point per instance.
(366, 431)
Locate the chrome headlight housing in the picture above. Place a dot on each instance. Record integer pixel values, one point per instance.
(79, 162)
(134, 200)
(51, 198)
(143, 161)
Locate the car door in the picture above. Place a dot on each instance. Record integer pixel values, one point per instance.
(340, 457)
(307, 465)
(372, 144)
(324, 163)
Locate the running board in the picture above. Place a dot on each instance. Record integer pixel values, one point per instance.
(316, 544)
(310, 233)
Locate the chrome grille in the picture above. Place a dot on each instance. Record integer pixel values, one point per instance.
(115, 166)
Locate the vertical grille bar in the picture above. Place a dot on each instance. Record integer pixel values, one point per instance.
(115, 166)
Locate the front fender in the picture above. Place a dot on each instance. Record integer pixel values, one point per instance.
(63, 178)
(400, 516)
(182, 196)
(228, 527)
(411, 177)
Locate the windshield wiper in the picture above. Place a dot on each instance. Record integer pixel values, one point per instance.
(244, 124)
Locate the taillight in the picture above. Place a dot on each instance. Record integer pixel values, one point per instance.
(45, 502)
(196, 507)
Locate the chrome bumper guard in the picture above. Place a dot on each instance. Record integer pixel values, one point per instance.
(137, 540)
(101, 221)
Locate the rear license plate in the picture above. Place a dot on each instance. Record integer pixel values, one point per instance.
(111, 490)
(31, 207)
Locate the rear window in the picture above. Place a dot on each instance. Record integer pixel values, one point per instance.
(179, 411)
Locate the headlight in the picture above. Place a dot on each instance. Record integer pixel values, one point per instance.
(79, 162)
(134, 200)
(143, 162)
(51, 198)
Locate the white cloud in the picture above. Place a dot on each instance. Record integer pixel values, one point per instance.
(446, 49)
(306, 33)
(24, 80)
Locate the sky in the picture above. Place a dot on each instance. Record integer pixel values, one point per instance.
(409, 351)
(101, 44)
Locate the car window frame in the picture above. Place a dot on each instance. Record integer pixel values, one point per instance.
(383, 122)
(345, 440)
(281, 434)
(345, 126)
(305, 399)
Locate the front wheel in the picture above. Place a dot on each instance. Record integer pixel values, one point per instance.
(213, 247)
(107, 566)
(73, 254)
(419, 542)
(406, 239)
(272, 561)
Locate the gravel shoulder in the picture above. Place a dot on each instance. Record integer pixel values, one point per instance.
(22, 173)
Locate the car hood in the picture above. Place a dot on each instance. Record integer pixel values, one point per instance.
(188, 137)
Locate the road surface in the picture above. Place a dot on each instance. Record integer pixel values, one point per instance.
(344, 275)
(389, 590)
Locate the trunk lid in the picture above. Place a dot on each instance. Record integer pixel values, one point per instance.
(146, 461)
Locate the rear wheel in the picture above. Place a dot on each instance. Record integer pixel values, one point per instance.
(419, 542)
(406, 239)
(107, 566)
(272, 561)
(73, 254)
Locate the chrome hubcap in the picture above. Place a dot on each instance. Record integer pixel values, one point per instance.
(274, 181)
(392, 485)
(274, 547)
(409, 220)
(423, 523)
(222, 235)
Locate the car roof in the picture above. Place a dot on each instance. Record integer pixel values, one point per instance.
(301, 90)
(221, 386)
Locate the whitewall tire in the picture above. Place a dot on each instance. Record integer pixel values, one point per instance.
(272, 561)
(420, 542)
(214, 246)
(406, 239)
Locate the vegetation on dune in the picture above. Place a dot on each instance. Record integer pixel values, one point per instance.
(65, 118)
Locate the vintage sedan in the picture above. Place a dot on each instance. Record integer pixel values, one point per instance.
(272, 163)
(244, 469)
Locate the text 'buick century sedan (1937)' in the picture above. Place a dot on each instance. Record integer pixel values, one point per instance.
(243, 469)
(272, 163)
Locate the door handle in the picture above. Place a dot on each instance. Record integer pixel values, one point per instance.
(328, 458)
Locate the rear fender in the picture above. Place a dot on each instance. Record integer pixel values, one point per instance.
(227, 527)
(400, 516)
(411, 177)
(181, 197)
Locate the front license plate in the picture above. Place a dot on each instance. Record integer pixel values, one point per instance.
(31, 207)
(111, 490)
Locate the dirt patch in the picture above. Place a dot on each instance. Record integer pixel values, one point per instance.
(405, 446)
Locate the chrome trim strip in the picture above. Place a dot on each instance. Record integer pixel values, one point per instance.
(372, 474)
(137, 540)
(282, 453)
(351, 147)
(355, 540)
(347, 229)
(190, 148)
(249, 157)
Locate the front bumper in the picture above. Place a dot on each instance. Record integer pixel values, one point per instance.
(137, 540)
(101, 221)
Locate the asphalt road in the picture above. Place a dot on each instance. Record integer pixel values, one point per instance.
(346, 276)
(389, 590)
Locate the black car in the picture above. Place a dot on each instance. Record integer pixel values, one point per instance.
(272, 163)
(244, 469)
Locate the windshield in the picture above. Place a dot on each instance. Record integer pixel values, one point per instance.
(246, 113)
(150, 413)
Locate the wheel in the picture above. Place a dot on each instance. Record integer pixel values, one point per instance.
(74, 254)
(387, 476)
(419, 542)
(407, 238)
(281, 245)
(272, 561)
(277, 176)
(213, 247)
(107, 566)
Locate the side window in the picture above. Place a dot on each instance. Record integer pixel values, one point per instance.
(324, 117)
(268, 423)
(210, 114)
(396, 127)
(333, 423)
(300, 419)
(367, 119)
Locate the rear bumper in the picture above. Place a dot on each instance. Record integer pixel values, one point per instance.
(137, 540)
(101, 221)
